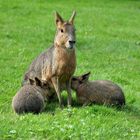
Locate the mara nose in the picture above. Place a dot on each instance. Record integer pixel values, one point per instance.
(72, 42)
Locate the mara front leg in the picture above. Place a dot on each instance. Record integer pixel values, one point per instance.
(56, 84)
(68, 88)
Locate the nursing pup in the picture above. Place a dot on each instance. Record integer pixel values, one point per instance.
(31, 97)
(99, 91)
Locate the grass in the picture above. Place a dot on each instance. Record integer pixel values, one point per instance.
(108, 45)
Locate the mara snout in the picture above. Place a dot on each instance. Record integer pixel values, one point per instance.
(99, 91)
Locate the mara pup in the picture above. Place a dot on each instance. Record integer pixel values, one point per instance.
(31, 97)
(57, 64)
(99, 91)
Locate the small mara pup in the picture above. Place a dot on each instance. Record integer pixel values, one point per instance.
(99, 91)
(31, 97)
(58, 63)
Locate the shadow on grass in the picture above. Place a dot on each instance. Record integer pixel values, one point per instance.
(131, 110)
(53, 105)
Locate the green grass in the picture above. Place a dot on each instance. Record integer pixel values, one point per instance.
(108, 45)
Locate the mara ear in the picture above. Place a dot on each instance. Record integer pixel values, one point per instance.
(71, 20)
(31, 81)
(58, 19)
(85, 77)
(37, 82)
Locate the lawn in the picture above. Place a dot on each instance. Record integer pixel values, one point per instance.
(108, 45)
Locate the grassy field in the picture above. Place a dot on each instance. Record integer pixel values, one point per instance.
(108, 45)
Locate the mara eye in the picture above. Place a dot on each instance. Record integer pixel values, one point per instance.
(61, 30)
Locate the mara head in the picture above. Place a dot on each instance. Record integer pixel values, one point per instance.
(39, 83)
(78, 80)
(65, 34)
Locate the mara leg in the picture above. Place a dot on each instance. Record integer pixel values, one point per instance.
(56, 85)
(68, 87)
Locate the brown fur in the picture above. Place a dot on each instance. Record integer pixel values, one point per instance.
(57, 64)
(99, 92)
(31, 97)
